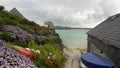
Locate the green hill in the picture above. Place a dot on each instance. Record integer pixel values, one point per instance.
(19, 31)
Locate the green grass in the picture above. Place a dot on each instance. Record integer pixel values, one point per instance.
(20, 43)
(6, 36)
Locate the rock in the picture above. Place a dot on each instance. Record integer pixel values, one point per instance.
(11, 59)
(32, 31)
(61, 46)
(38, 39)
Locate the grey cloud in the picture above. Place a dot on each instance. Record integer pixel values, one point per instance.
(108, 7)
(82, 13)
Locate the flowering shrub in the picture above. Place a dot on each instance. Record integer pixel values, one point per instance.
(11, 59)
(49, 54)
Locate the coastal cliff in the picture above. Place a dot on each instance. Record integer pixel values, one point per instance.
(17, 31)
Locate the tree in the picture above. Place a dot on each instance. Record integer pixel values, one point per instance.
(1, 8)
(50, 24)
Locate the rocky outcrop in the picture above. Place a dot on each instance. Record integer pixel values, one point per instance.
(11, 59)
(38, 39)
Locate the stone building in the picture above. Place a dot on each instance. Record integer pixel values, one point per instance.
(104, 39)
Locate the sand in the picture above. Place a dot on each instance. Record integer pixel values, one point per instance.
(73, 58)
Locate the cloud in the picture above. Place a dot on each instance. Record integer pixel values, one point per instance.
(75, 13)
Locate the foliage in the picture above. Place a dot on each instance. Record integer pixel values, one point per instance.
(50, 24)
(6, 36)
(7, 18)
(1, 8)
(49, 40)
(25, 24)
(31, 42)
(47, 52)
(11, 45)
(20, 43)
(9, 58)
(39, 64)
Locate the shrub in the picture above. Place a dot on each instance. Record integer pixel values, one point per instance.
(48, 40)
(31, 42)
(6, 36)
(1, 8)
(20, 43)
(9, 58)
(48, 52)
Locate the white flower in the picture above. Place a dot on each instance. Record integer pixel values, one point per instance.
(37, 51)
(54, 56)
(48, 57)
(50, 53)
(28, 49)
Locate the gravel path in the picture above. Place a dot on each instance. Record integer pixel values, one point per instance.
(73, 60)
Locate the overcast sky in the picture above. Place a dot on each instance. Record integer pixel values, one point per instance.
(75, 13)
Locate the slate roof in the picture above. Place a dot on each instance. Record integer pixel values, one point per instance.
(108, 31)
(14, 11)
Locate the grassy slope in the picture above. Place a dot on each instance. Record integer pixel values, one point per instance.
(50, 47)
(7, 18)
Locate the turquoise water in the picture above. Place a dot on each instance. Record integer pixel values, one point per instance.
(75, 38)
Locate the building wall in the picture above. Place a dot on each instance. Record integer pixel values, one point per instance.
(109, 51)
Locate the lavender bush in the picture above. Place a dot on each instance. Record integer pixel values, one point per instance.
(11, 59)
(17, 33)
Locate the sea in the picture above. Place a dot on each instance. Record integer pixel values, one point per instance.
(74, 38)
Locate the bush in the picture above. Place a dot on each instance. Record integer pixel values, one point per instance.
(6, 18)
(1, 8)
(6, 36)
(31, 42)
(39, 64)
(48, 52)
(48, 40)
(20, 43)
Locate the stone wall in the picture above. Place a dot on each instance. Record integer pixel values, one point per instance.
(109, 51)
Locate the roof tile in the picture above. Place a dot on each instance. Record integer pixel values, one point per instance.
(108, 31)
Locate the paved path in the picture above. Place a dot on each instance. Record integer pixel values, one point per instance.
(72, 60)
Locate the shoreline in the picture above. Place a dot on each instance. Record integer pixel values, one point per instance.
(74, 49)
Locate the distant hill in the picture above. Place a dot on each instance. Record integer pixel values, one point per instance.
(62, 27)
(79, 28)
(66, 27)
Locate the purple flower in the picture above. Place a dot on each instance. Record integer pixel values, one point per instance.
(11, 59)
